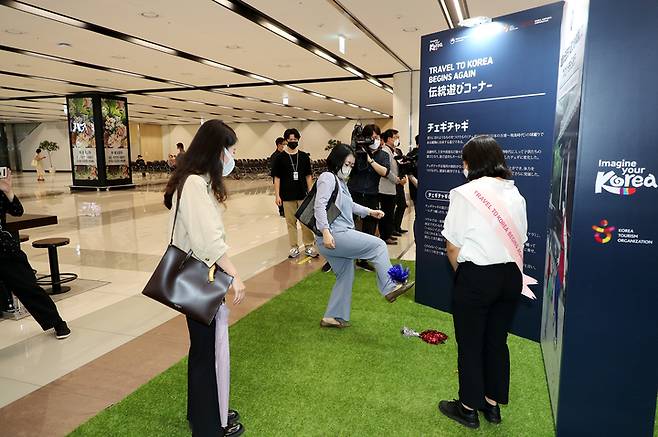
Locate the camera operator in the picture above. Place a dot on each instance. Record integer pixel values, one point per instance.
(371, 164)
(388, 190)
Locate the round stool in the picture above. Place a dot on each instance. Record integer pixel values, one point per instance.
(55, 279)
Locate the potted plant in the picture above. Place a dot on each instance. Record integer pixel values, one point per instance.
(331, 144)
(49, 146)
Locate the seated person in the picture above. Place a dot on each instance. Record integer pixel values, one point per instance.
(17, 274)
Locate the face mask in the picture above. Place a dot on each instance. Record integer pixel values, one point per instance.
(396, 143)
(344, 172)
(375, 145)
(465, 173)
(293, 144)
(229, 165)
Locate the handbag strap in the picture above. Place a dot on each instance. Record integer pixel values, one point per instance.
(179, 193)
(334, 194)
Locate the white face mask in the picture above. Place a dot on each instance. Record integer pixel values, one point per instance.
(229, 165)
(344, 172)
(375, 145)
(465, 171)
(397, 142)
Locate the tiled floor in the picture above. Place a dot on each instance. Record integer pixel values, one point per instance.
(121, 246)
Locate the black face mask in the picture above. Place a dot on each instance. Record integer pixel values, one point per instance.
(293, 144)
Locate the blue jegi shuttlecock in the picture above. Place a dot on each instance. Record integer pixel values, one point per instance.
(398, 274)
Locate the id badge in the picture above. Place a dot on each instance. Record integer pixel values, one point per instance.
(295, 176)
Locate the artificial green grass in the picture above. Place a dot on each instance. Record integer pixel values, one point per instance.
(292, 378)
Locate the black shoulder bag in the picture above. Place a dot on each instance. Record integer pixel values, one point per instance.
(186, 284)
(306, 212)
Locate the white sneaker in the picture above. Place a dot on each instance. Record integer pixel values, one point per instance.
(310, 251)
(294, 252)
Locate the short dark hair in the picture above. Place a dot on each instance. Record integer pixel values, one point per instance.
(389, 133)
(485, 158)
(291, 131)
(180, 146)
(279, 141)
(416, 139)
(369, 129)
(337, 157)
(38, 150)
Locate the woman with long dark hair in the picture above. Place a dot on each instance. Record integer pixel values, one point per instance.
(341, 244)
(485, 229)
(199, 177)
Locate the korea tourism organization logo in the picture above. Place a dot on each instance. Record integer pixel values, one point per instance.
(435, 45)
(603, 232)
(623, 178)
(437, 196)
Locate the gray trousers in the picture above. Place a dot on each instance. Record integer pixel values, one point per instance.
(351, 245)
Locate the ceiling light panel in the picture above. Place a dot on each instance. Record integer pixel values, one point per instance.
(150, 57)
(255, 57)
(377, 60)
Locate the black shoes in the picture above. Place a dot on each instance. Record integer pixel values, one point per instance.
(365, 265)
(233, 430)
(491, 413)
(326, 267)
(402, 231)
(233, 417)
(456, 411)
(397, 234)
(62, 331)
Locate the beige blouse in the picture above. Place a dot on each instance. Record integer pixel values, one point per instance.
(199, 225)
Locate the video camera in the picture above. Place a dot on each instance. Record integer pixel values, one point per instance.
(360, 143)
(407, 164)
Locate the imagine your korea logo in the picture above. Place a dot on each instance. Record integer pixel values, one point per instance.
(632, 178)
(603, 232)
(435, 45)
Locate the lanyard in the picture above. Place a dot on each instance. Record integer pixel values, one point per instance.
(294, 166)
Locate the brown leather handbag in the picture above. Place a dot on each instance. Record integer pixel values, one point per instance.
(186, 284)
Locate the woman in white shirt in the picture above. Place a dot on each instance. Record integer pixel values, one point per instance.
(199, 227)
(488, 280)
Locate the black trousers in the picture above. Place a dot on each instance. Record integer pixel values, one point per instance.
(400, 206)
(17, 276)
(202, 399)
(368, 224)
(387, 223)
(484, 303)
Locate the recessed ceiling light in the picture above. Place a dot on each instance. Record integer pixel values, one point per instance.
(149, 14)
(285, 100)
(233, 46)
(338, 101)
(65, 44)
(341, 44)
(318, 95)
(294, 88)
(284, 65)
(118, 57)
(15, 32)
(23, 65)
(410, 29)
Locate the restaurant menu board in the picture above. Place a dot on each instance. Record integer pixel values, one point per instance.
(115, 139)
(83, 138)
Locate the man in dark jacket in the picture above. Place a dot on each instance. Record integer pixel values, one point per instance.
(16, 273)
(280, 145)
